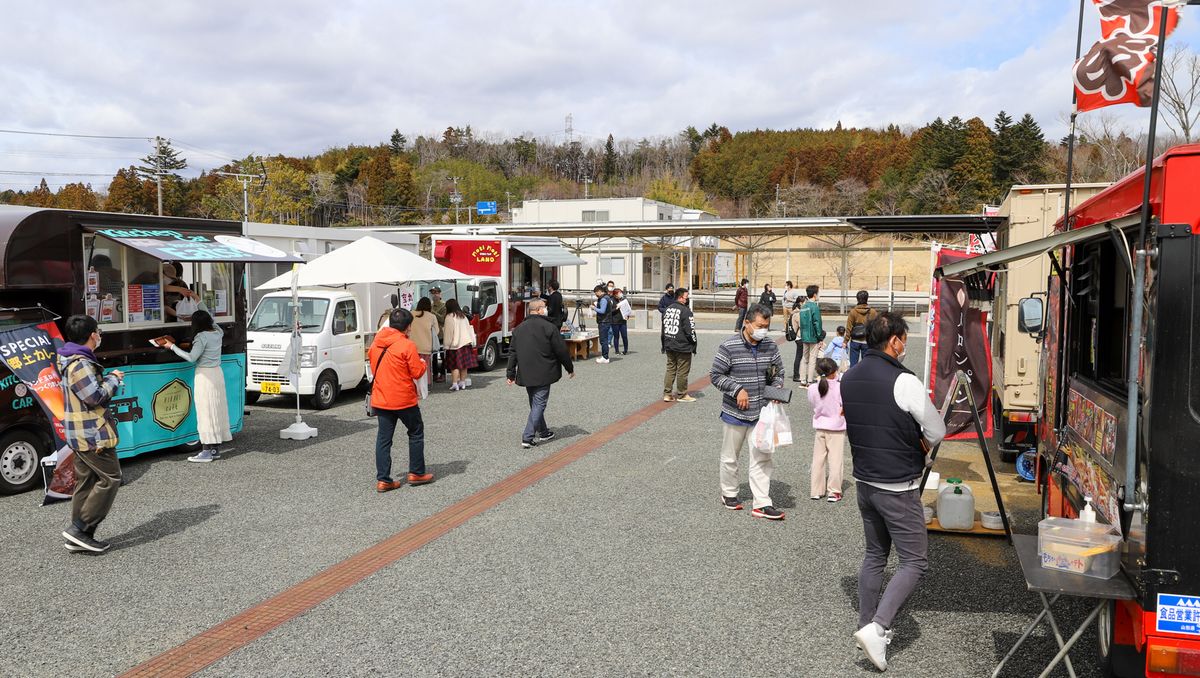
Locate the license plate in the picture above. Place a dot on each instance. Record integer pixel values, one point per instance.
(270, 387)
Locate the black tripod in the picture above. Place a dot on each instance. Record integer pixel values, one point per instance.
(578, 316)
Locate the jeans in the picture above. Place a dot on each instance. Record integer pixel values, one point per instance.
(411, 418)
(890, 519)
(858, 349)
(620, 337)
(737, 327)
(539, 398)
(605, 334)
(678, 367)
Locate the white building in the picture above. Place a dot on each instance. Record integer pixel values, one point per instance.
(632, 264)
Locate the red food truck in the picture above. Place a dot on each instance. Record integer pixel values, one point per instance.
(511, 270)
(1149, 488)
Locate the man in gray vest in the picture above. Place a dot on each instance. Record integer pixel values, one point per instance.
(891, 424)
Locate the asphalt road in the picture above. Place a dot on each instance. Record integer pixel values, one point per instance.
(620, 564)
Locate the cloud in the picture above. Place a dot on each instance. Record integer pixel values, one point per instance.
(298, 76)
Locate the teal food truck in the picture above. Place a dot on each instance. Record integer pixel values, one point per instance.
(138, 276)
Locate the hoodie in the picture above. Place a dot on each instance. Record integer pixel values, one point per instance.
(88, 424)
(392, 386)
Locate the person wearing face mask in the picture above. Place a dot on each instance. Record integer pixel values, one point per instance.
(620, 322)
(679, 342)
(605, 309)
(890, 423)
(741, 302)
(667, 299)
(744, 366)
(539, 355)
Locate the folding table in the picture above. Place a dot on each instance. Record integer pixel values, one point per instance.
(1042, 581)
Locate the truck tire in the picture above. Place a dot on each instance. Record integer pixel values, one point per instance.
(1116, 661)
(21, 452)
(252, 397)
(489, 356)
(326, 391)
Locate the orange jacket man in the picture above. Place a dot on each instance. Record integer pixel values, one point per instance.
(395, 364)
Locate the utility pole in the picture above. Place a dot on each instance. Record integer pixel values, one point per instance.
(587, 182)
(777, 200)
(455, 198)
(245, 179)
(158, 152)
(508, 204)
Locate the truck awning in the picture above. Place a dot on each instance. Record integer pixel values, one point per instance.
(549, 255)
(170, 244)
(1033, 248)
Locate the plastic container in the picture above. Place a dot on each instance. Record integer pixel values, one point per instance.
(990, 520)
(1089, 549)
(928, 514)
(932, 482)
(956, 506)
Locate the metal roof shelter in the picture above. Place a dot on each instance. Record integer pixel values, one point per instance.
(932, 223)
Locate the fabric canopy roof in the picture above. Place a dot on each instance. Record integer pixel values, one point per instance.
(367, 260)
(549, 255)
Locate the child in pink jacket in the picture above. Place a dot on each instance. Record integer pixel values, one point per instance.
(829, 423)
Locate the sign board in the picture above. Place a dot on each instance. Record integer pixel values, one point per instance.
(485, 207)
(187, 245)
(1178, 614)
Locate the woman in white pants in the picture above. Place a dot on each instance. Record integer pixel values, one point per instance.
(212, 410)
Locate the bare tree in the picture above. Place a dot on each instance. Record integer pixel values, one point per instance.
(1181, 91)
(1108, 151)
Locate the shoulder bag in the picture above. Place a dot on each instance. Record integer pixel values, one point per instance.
(371, 384)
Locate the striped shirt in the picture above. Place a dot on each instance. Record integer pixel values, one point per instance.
(739, 366)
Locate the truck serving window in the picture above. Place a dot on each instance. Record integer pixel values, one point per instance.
(1099, 326)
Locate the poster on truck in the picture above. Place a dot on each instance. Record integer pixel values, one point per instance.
(959, 343)
(30, 352)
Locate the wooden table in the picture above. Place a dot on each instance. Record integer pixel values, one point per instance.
(581, 348)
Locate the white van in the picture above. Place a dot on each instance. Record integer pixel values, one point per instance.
(336, 332)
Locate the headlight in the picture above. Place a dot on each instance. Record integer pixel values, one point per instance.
(308, 356)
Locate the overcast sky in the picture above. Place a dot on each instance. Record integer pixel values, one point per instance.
(226, 79)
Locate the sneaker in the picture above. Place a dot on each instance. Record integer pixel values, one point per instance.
(625, 353)
(873, 641)
(668, 399)
(526, 444)
(602, 361)
(731, 503)
(815, 497)
(834, 497)
(454, 386)
(387, 485)
(84, 541)
(462, 385)
(544, 437)
(796, 379)
(685, 398)
(75, 548)
(768, 512)
(204, 457)
(420, 479)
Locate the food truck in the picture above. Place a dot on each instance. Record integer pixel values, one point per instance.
(1085, 318)
(511, 271)
(1031, 212)
(132, 273)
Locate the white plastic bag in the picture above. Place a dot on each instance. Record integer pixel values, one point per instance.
(422, 384)
(772, 430)
(185, 308)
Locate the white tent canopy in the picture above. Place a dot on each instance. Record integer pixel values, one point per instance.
(367, 260)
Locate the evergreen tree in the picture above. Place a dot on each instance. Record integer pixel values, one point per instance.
(1005, 150)
(164, 160)
(975, 168)
(398, 142)
(610, 160)
(127, 194)
(693, 138)
(1029, 149)
(40, 196)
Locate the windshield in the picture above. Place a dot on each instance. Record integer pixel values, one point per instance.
(274, 314)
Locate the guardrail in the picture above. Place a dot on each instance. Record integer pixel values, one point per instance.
(909, 304)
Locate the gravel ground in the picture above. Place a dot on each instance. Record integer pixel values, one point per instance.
(620, 564)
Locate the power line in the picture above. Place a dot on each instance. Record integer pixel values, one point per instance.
(75, 136)
(52, 174)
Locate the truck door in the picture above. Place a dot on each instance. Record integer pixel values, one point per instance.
(346, 347)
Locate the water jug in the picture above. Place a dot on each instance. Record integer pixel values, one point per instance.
(956, 506)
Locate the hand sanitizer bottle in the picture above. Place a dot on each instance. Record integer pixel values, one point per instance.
(1088, 514)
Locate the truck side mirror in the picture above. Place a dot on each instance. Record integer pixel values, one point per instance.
(1030, 316)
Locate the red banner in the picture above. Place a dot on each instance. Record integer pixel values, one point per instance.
(1119, 69)
(959, 343)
